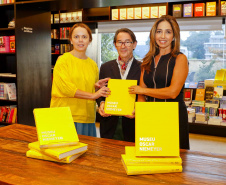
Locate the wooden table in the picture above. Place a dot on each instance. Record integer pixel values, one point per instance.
(101, 164)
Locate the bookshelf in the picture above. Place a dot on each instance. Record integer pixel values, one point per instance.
(32, 60)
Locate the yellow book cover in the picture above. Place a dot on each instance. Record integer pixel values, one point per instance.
(114, 14)
(145, 12)
(219, 75)
(120, 102)
(122, 15)
(55, 127)
(200, 94)
(131, 160)
(137, 13)
(162, 10)
(156, 129)
(139, 170)
(61, 152)
(38, 155)
(154, 11)
(211, 8)
(130, 13)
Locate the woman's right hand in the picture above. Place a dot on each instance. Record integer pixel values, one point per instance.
(101, 110)
(104, 92)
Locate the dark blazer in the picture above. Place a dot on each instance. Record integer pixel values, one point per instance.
(108, 124)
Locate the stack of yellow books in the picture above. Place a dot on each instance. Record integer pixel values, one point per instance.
(57, 137)
(156, 140)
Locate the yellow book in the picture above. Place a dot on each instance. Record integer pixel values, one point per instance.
(61, 152)
(55, 127)
(115, 14)
(157, 129)
(131, 160)
(137, 13)
(162, 10)
(154, 12)
(120, 102)
(200, 94)
(211, 8)
(145, 12)
(140, 170)
(122, 14)
(38, 155)
(130, 13)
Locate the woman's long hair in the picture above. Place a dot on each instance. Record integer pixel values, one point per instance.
(154, 48)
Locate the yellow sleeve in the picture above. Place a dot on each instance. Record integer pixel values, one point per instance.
(62, 85)
(97, 74)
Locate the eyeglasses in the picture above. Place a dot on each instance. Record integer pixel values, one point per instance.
(127, 43)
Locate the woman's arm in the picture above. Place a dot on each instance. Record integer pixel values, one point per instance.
(180, 73)
(104, 92)
(141, 97)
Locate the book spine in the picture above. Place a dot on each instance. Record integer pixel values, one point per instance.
(153, 170)
(12, 45)
(131, 162)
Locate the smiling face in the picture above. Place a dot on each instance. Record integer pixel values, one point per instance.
(125, 52)
(164, 35)
(80, 39)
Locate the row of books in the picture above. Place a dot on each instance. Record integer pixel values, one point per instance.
(63, 34)
(6, 1)
(56, 141)
(66, 17)
(198, 9)
(138, 13)
(7, 44)
(61, 48)
(7, 91)
(8, 114)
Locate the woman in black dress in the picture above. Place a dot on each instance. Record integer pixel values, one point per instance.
(164, 71)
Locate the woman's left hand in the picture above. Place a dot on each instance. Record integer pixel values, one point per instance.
(136, 90)
(101, 83)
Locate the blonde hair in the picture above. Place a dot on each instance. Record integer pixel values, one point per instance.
(154, 49)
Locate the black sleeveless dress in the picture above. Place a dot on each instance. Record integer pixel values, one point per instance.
(159, 77)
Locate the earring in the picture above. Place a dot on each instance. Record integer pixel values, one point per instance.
(173, 39)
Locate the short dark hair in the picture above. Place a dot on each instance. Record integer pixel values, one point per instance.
(126, 30)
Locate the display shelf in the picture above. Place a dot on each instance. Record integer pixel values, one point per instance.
(206, 129)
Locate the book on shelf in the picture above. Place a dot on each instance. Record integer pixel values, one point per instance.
(199, 9)
(188, 10)
(55, 127)
(162, 11)
(145, 12)
(120, 102)
(4, 44)
(7, 75)
(115, 14)
(139, 170)
(211, 8)
(188, 96)
(122, 13)
(12, 46)
(130, 13)
(130, 159)
(56, 18)
(209, 93)
(3, 91)
(201, 85)
(223, 7)
(193, 85)
(177, 10)
(218, 93)
(137, 13)
(200, 94)
(59, 152)
(154, 11)
(11, 91)
(38, 155)
(157, 129)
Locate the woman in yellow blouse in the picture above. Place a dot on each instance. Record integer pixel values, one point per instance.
(75, 78)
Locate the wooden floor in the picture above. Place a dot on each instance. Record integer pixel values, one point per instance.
(205, 143)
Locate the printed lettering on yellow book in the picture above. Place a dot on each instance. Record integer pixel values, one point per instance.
(211, 8)
(130, 159)
(120, 102)
(156, 129)
(55, 127)
(61, 152)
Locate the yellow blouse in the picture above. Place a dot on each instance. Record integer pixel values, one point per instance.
(71, 73)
